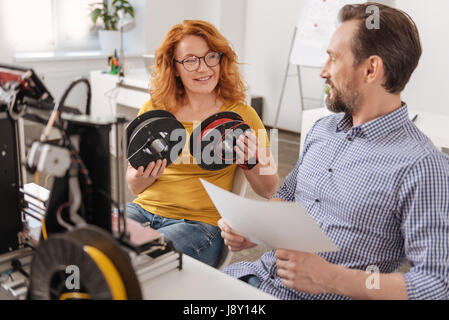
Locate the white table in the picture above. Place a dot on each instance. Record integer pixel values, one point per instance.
(198, 281)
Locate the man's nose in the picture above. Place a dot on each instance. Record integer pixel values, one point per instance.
(324, 73)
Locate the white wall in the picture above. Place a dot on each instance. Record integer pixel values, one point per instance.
(162, 15)
(5, 49)
(232, 24)
(227, 15)
(269, 31)
(429, 85)
(134, 40)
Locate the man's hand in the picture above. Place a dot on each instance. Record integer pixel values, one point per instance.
(309, 273)
(234, 241)
(304, 272)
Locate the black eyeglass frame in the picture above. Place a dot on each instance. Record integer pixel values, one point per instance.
(220, 55)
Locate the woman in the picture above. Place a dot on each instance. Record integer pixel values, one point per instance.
(195, 76)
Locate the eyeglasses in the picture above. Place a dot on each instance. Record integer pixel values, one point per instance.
(193, 63)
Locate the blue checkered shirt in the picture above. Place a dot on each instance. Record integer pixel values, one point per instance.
(380, 191)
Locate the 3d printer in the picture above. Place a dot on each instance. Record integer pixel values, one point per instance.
(85, 249)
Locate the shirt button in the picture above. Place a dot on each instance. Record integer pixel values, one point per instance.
(317, 200)
(350, 139)
(331, 171)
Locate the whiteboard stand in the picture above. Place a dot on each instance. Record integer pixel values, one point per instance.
(314, 30)
(288, 75)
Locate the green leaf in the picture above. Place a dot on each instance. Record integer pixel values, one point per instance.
(109, 13)
(130, 11)
(114, 25)
(107, 21)
(95, 14)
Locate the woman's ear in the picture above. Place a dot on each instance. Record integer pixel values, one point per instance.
(175, 69)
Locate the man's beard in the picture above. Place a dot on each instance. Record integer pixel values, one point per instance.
(346, 100)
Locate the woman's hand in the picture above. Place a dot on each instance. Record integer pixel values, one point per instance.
(140, 179)
(246, 148)
(234, 241)
(263, 177)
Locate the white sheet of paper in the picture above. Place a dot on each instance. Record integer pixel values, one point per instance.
(275, 225)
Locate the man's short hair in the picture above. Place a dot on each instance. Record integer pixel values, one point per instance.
(396, 42)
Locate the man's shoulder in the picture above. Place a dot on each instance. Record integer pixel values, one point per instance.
(327, 124)
(331, 119)
(417, 142)
(430, 160)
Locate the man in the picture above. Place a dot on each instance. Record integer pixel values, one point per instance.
(370, 179)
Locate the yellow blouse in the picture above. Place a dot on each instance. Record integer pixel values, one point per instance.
(178, 193)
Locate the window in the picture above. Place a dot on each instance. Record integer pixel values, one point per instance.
(49, 25)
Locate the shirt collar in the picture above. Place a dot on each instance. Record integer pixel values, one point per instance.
(376, 128)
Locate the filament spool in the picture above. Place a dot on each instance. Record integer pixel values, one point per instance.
(152, 136)
(212, 143)
(105, 271)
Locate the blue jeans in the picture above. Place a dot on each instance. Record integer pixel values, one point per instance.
(198, 240)
(251, 280)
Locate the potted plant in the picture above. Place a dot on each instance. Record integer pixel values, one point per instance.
(106, 16)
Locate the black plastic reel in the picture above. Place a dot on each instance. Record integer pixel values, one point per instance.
(212, 143)
(49, 275)
(150, 138)
(53, 256)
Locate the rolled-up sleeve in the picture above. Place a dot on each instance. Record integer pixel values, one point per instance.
(424, 199)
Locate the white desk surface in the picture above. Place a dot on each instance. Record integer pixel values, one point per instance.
(198, 281)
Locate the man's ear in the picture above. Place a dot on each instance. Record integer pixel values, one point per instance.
(374, 69)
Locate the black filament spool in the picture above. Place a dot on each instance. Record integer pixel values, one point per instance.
(53, 256)
(212, 143)
(151, 137)
(49, 265)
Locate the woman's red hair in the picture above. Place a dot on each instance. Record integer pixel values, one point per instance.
(167, 90)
